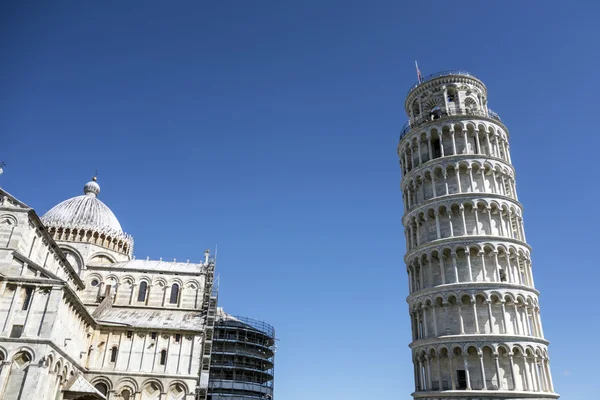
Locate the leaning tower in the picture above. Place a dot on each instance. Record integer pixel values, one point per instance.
(473, 306)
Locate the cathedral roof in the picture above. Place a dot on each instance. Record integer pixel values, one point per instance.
(85, 212)
(153, 318)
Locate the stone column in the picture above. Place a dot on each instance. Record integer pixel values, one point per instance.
(442, 268)
(453, 381)
(476, 212)
(500, 386)
(489, 307)
(457, 171)
(547, 363)
(467, 374)
(422, 385)
(453, 142)
(512, 370)
(482, 371)
(428, 360)
(425, 322)
(429, 145)
(4, 374)
(469, 268)
(435, 331)
(527, 378)
(474, 304)
(460, 318)
(453, 254)
(504, 325)
(439, 370)
(464, 222)
(498, 279)
(445, 175)
(437, 224)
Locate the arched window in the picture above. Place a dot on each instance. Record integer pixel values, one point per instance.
(174, 294)
(102, 388)
(125, 394)
(18, 373)
(113, 354)
(142, 291)
(163, 357)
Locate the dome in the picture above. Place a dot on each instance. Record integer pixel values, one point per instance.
(85, 219)
(85, 212)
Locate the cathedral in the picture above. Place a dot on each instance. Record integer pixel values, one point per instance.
(81, 318)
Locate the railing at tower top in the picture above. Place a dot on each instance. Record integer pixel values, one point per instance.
(446, 113)
(439, 74)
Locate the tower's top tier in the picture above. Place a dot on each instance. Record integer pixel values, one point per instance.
(455, 92)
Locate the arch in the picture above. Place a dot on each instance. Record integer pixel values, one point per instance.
(18, 373)
(127, 382)
(102, 380)
(8, 219)
(177, 390)
(129, 279)
(151, 390)
(101, 257)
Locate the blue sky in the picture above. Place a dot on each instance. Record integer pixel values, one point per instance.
(270, 128)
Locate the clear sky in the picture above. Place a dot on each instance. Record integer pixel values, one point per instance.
(270, 128)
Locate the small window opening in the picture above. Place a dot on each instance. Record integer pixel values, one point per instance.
(27, 299)
(461, 378)
(502, 275)
(113, 354)
(451, 95)
(153, 335)
(94, 282)
(16, 331)
(177, 338)
(163, 357)
(437, 148)
(174, 294)
(129, 334)
(142, 291)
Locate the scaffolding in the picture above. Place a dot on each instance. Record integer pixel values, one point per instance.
(243, 359)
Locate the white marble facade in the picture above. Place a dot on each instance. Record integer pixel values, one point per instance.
(473, 306)
(80, 318)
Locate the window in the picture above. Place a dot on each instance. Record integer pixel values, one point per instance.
(95, 283)
(163, 357)
(502, 275)
(113, 354)
(461, 377)
(16, 331)
(142, 291)
(153, 335)
(102, 388)
(177, 338)
(437, 148)
(129, 334)
(27, 299)
(174, 294)
(451, 95)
